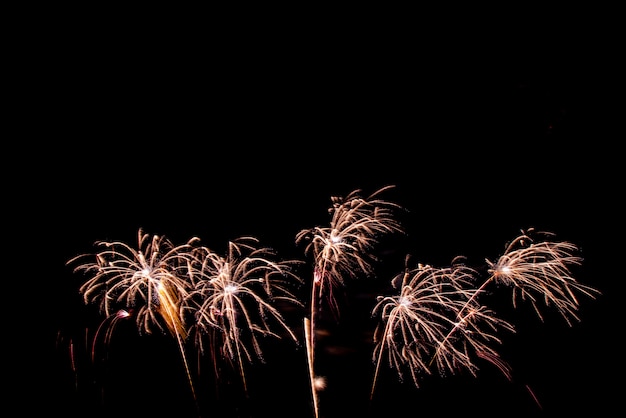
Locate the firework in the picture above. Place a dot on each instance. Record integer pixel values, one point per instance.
(435, 322)
(343, 250)
(434, 319)
(189, 287)
(235, 295)
(150, 280)
(438, 321)
(541, 271)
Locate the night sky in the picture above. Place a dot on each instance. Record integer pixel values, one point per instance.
(186, 130)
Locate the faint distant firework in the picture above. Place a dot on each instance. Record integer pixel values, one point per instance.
(235, 295)
(343, 249)
(438, 321)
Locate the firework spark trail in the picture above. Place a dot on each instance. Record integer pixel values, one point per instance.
(108, 325)
(234, 294)
(343, 249)
(438, 309)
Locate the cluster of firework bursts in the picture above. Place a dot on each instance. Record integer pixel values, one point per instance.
(224, 303)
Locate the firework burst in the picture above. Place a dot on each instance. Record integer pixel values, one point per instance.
(151, 281)
(236, 294)
(434, 319)
(540, 272)
(341, 250)
(438, 321)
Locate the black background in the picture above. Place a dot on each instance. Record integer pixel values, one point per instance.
(220, 125)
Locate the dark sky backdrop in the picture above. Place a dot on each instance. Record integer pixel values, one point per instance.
(185, 130)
